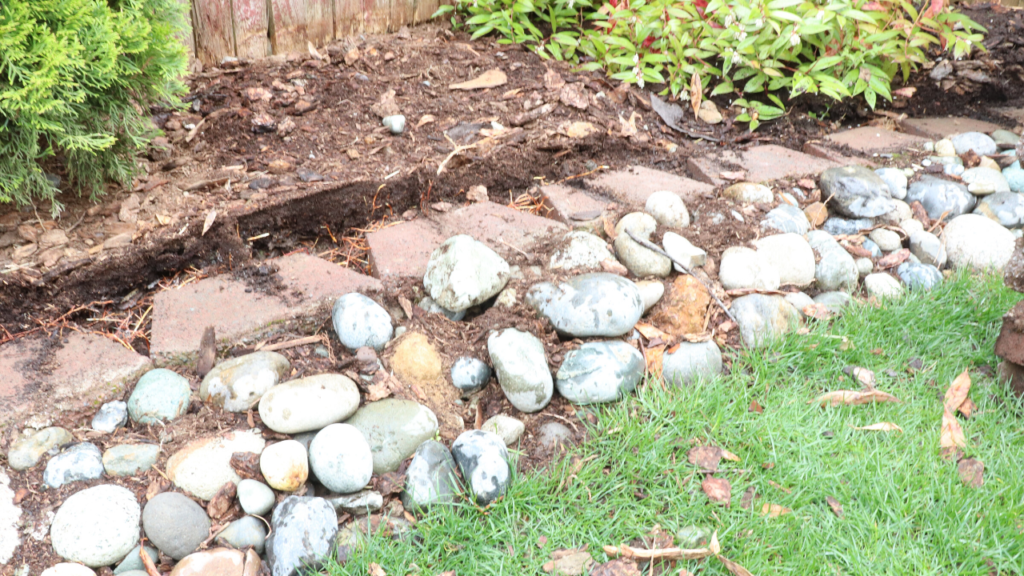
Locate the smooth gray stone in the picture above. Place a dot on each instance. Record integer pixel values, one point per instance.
(463, 272)
(159, 395)
(359, 321)
(79, 462)
(394, 429)
(870, 246)
(130, 459)
(982, 181)
(835, 269)
(255, 497)
(246, 531)
(133, 561)
(428, 305)
(359, 503)
(855, 192)
(483, 460)
(522, 369)
(928, 248)
(839, 226)
(309, 403)
(97, 526)
(396, 123)
(1007, 208)
(833, 301)
(237, 384)
(580, 251)
(175, 524)
(919, 276)
(638, 259)
(599, 372)
(940, 197)
(762, 318)
(598, 304)
(982, 144)
(896, 180)
(341, 458)
(508, 428)
(470, 374)
(302, 536)
(786, 218)
(28, 449)
(110, 416)
(430, 478)
(690, 362)
(553, 435)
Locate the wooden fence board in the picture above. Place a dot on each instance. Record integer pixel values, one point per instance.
(252, 39)
(214, 33)
(425, 9)
(348, 18)
(403, 12)
(376, 16)
(297, 22)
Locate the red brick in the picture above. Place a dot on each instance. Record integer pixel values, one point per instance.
(937, 128)
(501, 228)
(40, 380)
(569, 205)
(634, 184)
(311, 285)
(819, 150)
(771, 162)
(402, 250)
(868, 139)
(708, 168)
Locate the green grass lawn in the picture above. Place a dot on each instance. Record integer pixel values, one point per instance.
(906, 512)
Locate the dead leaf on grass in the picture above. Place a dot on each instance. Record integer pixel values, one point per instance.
(863, 376)
(653, 356)
(755, 407)
(957, 393)
(851, 398)
(651, 332)
(972, 472)
(717, 490)
(714, 546)
(774, 510)
(967, 408)
(542, 541)
(880, 427)
(572, 562)
(734, 568)
(747, 500)
(706, 457)
(729, 455)
(893, 260)
(489, 79)
(836, 507)
(618, 567)
(951, 435)
(818, 311)
(375, 570)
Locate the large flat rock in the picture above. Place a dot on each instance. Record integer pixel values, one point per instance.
(403, 250)
(759, 164)
(309, 285)
(41, 377)
(868, 139)
(937, 128)
(503, 229)
(631, 186)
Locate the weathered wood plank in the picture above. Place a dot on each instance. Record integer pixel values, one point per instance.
(252, 40)
(214, 34)
(186, 36)
(377, 16)
(297, 22)
(403, 12)
(348, 18)
(425, 9)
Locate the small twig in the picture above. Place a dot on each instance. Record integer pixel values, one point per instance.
(513, 247)
(654, 248)
(657, 553)
(452, 155)
(291, 343)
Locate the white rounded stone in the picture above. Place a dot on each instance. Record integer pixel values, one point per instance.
(284, 465)
(668, 209)
(97, 526)
(742, 268)
(341, 458)
(309, 403)
(791, 256)
(881, 285)
(202, 467)
(976, 242)
(68, 569)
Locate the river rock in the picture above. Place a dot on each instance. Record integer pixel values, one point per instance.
(349, 540)
(668, 209)
(255, 497)
(463, 272)
(97, 526)
(869, 245)
(214, 562)
(945, 148)
(882, 285)
(159, 395)
(762, 318)
(522, 368)
(470, 374)
(430, 478)
(911, 226)
(599, 372)
(786, 218)
(28, 449)
(553, 436)
(919, 276)
(637, 259)
(508, 428)
(799, 300)
(864, 266)
(359, 321)
(749, 193)
(742, 268)
(940, 196)
(236, 385)
(651, 292)
(855, 192)
(790, 255)
(896, 181)
(835, 268)
(597, 304)
(67, 569)
(681, 250)
(690, 362)
(302, 535)
(982, 144)
(483, 460)
(928, 249)
(842, 226)
(580, 251)
(975, 242)
(393, 428)
(887, 240)
(341, 458)
(834, 302)
(110, 416)
(175, 524)
(1005, 138)
(285, 465)
(203, 466)
(428, 305)
(133, 561)
(246, 531)
(309, 403)
(1014, 177)
(984, 181)
(130, 459)
(1007, 208)
(78, 462)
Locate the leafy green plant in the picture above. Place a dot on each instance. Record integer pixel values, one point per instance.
(76, 80)
(763, 48)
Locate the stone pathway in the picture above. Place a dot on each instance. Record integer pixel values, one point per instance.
(323, 442)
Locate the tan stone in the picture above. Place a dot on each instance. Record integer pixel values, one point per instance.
(416, 359)
(215, 562)
(683, 310)
(816, 214)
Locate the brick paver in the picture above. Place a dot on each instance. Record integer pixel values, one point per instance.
(868, 139)
(760, 164)
(631, 186)
(570, 205)
(936, 128)
(310, 286)
(505, 230)
(402, 250)
(40, 378)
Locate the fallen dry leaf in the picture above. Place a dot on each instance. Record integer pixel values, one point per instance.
(577, 129)
(968, 408)
(865, 377)
(778, 486)
(628, 128)
(851, 398)
(653, 357)
(696, 93)
(951, 435)
(650, 332)
(376, 392)
(426, 119)
(489, 79)
(706, 457)
(618, 567)
(221, 501)
(907, 92)
(542, 541)
(714, 546)
(568, 562)
(646, 554)
(893, 260)
(836, 507)
(755, 407)
(210, 217)
(774, 510)
(880, 427)
(733, 174)
(734, 568)
(729, 455)
(957, 393)
(718, 490)
(375, 570)
(972, 472)
(818, 311)
(747, 500)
